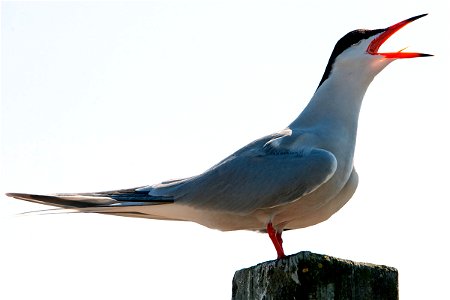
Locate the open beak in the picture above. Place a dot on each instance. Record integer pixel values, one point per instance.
(388, 32)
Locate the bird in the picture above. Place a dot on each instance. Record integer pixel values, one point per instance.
(294, 178)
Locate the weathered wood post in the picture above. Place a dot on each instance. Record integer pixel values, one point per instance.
(307, 275)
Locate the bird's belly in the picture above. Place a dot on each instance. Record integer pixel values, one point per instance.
(316, 207)
(220, 220)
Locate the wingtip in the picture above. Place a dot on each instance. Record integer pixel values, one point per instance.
(18, 195)
(27, 197)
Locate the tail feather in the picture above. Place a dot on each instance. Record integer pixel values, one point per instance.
(122, 211)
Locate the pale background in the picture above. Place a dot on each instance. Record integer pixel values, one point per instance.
(99, 96)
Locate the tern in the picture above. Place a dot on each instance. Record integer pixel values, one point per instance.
(291, 179)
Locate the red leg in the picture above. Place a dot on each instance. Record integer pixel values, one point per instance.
(280, 240)
(276, 240)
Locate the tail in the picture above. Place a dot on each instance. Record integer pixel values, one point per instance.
(119, 202)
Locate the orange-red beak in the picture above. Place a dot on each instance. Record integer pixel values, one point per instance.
(376, 43)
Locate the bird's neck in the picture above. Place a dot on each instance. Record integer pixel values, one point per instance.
(335, 104)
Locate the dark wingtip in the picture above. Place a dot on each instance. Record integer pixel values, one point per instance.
(50, 200)
(18, 195)
(425, 55)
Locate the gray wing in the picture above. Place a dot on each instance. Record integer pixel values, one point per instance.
(253, 178)
(121, 198)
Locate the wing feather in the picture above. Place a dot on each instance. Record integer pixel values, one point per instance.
(249, 181)
(116, 198)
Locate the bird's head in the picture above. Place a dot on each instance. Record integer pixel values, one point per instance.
(356, 54)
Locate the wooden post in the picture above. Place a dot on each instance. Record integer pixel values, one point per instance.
(307, 275)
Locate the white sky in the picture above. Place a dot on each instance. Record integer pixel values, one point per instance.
(99, 96)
